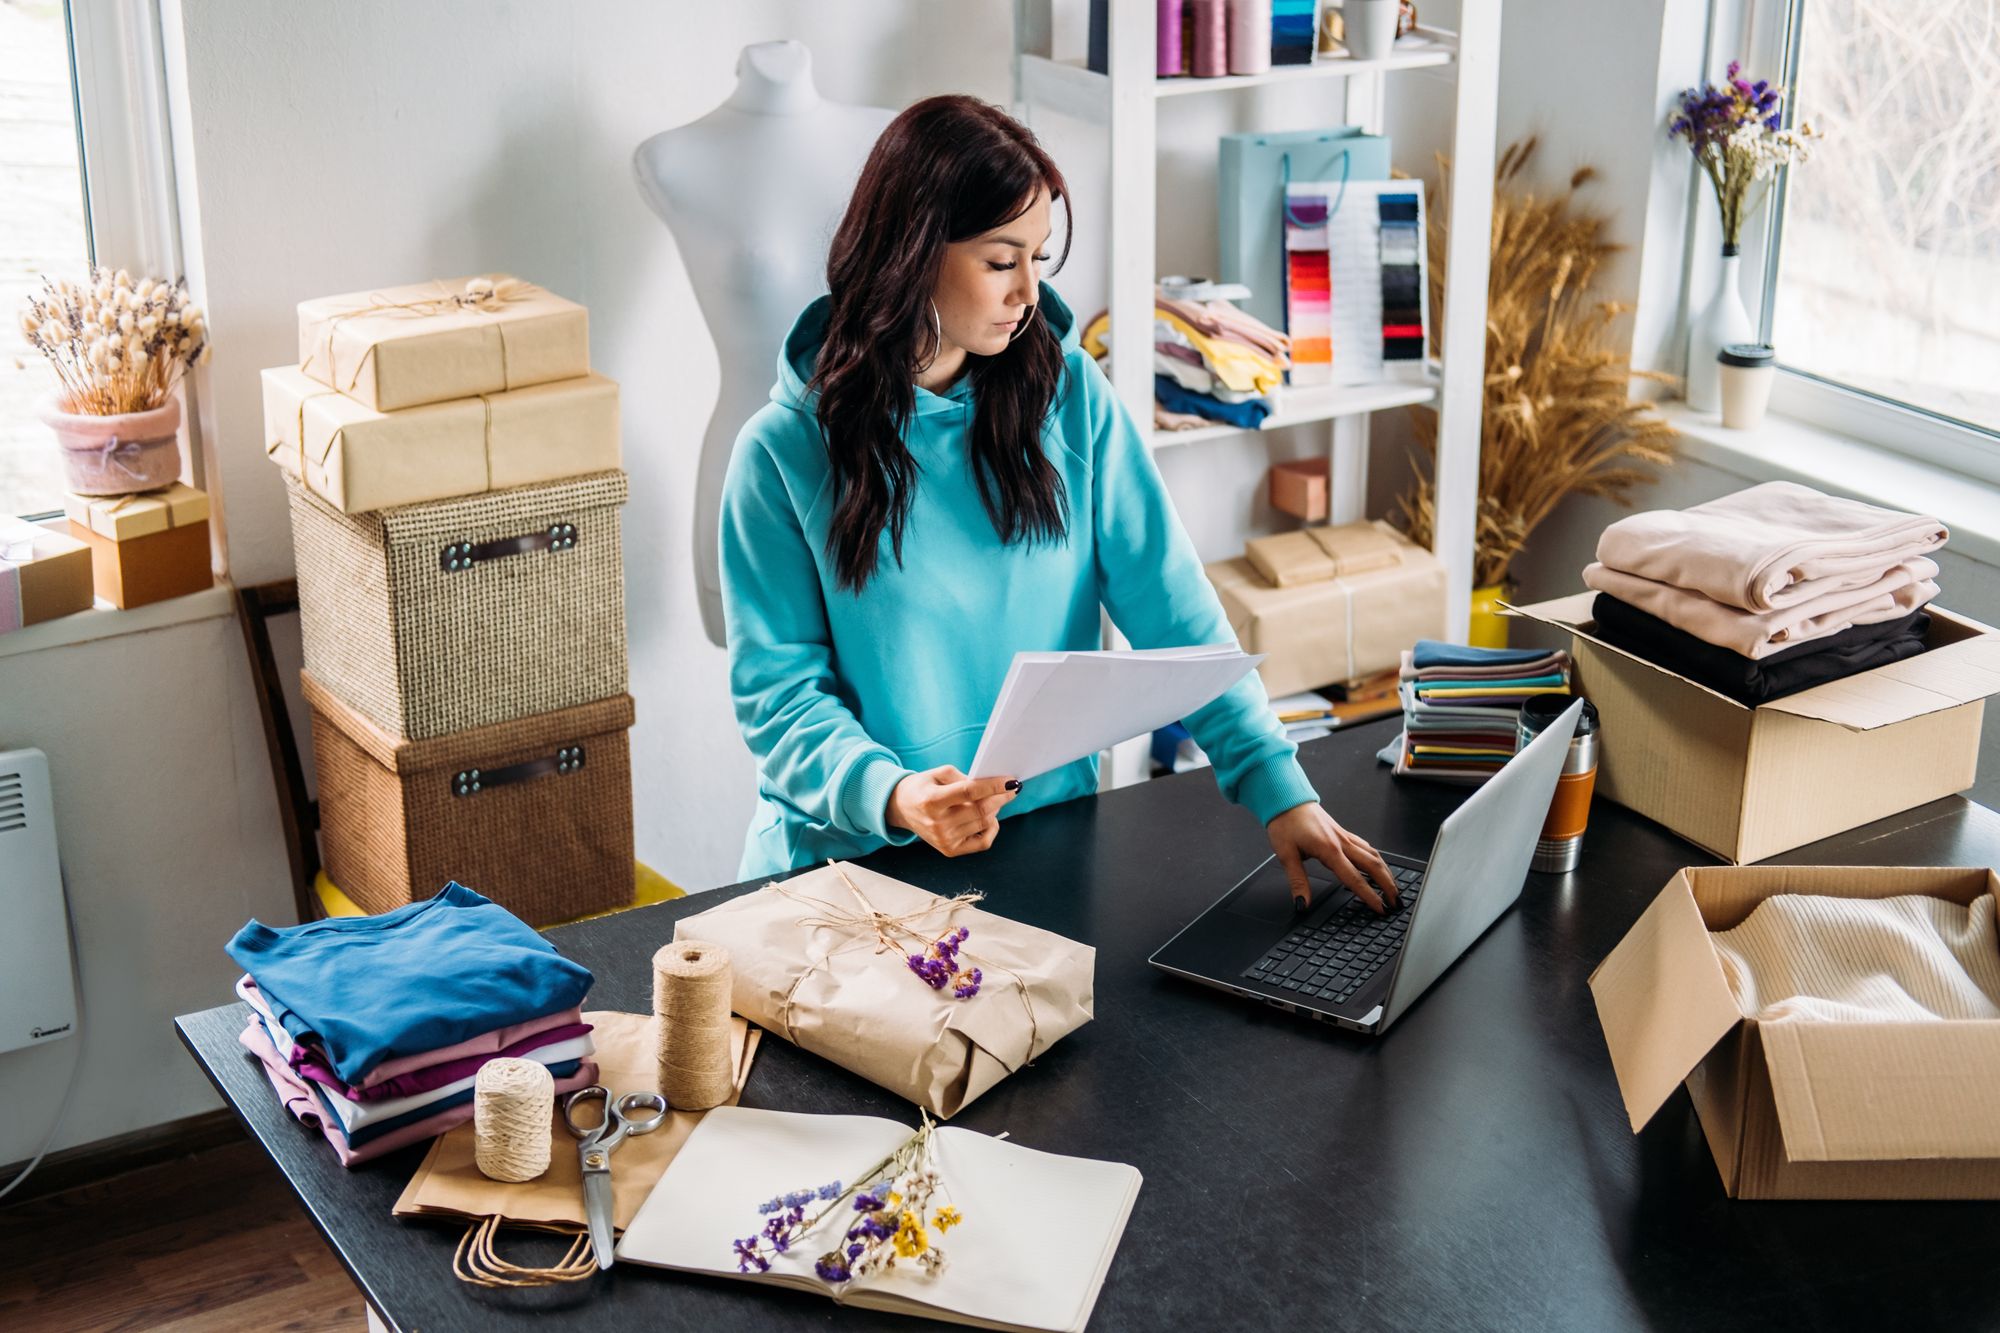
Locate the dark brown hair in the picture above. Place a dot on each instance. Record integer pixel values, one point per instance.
(947, 169)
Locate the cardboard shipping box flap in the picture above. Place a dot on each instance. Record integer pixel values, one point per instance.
(1961, 665)
(1663, 1001)
(1873, 1092)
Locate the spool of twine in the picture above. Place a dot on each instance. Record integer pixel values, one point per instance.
(513, 1107)
(691, 1014)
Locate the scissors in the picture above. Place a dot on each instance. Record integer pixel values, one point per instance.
(621, 1117)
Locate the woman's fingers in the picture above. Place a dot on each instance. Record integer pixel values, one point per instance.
(1365, 856)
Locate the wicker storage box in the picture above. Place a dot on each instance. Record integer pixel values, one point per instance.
(536, 813)
(431, 618)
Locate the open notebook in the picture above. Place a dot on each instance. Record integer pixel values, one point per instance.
(1037, 1239)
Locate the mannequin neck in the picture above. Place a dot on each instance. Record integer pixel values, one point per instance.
(774, 79)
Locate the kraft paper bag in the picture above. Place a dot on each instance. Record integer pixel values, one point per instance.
(821, 960)
(449, 1184)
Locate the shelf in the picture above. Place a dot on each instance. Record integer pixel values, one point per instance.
(1302, 406)
(1074, 90)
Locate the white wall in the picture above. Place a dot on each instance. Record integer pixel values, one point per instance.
(334, 147)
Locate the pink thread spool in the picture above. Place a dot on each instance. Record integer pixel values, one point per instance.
(1211, 37)
(1168, 43)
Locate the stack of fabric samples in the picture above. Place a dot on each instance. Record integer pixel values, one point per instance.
(1211, 362)
(1768, 591)
(372, 1029)
(1460, 706)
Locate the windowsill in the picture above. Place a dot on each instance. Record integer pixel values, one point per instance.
(1785, 449)
(105, 621)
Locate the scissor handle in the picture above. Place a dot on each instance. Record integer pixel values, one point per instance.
(595, 1092)
(633, 1102)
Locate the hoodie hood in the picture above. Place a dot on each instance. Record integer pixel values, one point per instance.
(801, 353)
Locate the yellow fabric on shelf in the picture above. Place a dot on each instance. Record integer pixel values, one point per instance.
(1235, 365)
(649, 887)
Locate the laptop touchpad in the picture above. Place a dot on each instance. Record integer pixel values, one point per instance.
(1267, 895)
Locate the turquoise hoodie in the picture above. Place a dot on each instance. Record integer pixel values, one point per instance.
(841, 695)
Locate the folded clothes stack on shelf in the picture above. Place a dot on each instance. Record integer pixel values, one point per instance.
(373, 1029)
(1211, 362)
(1461, 706)
(1768, 591)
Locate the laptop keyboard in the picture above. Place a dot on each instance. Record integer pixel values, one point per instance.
(1332, 960)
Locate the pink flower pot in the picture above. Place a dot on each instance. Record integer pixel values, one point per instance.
(122, 454)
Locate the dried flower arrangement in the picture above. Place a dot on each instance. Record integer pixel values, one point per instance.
(1558, 416)
(118, 345)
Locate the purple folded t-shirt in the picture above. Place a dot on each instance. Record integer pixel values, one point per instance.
(433, 1076)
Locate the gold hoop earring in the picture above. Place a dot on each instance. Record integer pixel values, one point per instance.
(1026, 320)
(937, 339)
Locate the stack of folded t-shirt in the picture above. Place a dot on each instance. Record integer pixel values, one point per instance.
(1460, 706)
(1768, 591)
(372, 1029)
(1211, 362)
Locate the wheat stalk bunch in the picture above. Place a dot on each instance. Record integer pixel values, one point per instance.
(1558, 416)
(117, 344)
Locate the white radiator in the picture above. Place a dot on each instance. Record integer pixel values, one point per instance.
(37, 997)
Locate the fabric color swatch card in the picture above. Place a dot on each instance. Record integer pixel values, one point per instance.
(1355, 281)
(1038, 1234)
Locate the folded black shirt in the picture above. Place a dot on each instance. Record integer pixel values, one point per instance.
(1754, 681)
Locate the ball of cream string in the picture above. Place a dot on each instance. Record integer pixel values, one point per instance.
(513, 1109)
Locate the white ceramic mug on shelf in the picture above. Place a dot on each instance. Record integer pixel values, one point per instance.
(1370, 27)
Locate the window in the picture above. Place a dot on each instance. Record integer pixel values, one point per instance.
(1885, 283)
(42, 231)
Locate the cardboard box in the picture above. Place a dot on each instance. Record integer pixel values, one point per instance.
(122, 518)
(1302, 488)
(432, 342)
(359, 460)
(1800, 1110)
(43, 574)
(1337, 630)
(1749, 783)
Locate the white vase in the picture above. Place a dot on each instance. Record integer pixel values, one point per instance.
(1723, 320)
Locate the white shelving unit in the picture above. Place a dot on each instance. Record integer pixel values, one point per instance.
(1124, 103)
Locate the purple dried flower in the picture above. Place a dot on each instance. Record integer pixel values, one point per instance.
(832, 1268)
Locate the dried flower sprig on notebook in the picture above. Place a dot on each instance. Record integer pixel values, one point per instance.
(887, 1209)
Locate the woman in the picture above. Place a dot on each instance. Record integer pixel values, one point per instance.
(942, 478)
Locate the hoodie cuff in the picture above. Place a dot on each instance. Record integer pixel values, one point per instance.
(1273, 787)
(864, 797)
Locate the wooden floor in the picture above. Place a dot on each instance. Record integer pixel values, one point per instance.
(212, 1240)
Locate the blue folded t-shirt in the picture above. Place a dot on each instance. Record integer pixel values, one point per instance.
(1435, 653)
(371, 988)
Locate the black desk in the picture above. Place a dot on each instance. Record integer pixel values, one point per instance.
(1473, 1169)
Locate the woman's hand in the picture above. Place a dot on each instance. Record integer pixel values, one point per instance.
(950, 811)
(1308, 830)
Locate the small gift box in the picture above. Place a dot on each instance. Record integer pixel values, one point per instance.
(43, 574)
(435, 341)
(359, 460)
(147, 547)
(928, 997)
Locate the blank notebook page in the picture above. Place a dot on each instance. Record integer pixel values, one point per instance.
(1038, 1235)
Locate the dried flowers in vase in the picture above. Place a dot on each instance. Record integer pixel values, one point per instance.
(1736, 132)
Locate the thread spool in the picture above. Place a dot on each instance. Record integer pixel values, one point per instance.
(1169, 61)
(691, 1008)
(1249, 36)
(1210, 19)
(513, 1107)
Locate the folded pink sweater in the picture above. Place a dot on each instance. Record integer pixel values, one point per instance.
(1757, 634)
(1770, 547)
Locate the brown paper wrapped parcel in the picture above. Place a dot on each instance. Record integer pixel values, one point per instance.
(824, 965)
(431, 342)
(359, 460)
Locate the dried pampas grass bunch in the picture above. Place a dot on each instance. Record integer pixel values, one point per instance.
(117, 345)
(1558, 418)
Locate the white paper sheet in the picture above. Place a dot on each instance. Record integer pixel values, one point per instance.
(1055, 708)
(1038, 1237)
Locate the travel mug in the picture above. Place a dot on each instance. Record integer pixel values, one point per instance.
(1561, 844)
(1744, 372)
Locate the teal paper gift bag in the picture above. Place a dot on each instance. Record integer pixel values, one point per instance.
(1250, 194)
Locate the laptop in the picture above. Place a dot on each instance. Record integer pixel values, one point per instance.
(1339, 962)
